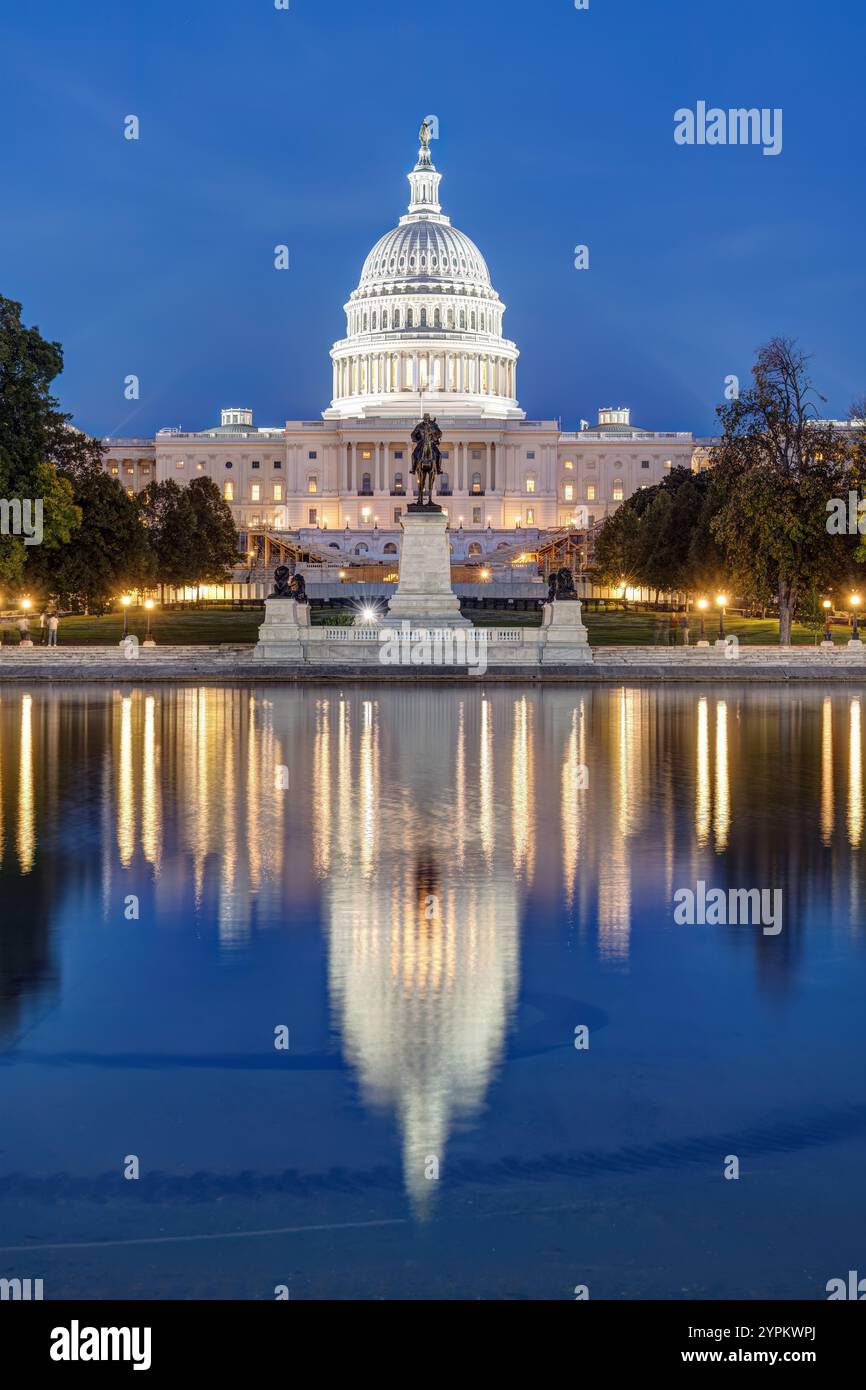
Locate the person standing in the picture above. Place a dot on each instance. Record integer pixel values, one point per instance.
(53, 625)
(43, 623)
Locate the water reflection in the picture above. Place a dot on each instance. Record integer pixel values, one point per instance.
(423, 829)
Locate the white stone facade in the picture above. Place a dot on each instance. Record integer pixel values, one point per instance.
(424, 333)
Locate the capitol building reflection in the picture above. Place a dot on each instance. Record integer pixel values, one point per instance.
(426, 830)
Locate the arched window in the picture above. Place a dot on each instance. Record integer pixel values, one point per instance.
(410, 318)
(384, 318)
(437, 319)
(462, 318)
(474, 322)
(450, 318)
(476, 482)
(398, 482)
(390, 549)
(366, 483)
(361, 549)
(475, 548)
(423, 318)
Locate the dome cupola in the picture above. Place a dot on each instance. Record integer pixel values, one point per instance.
(424, 326)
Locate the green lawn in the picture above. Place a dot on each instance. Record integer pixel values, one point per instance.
(212, 627)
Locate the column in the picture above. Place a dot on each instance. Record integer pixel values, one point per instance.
(461, 466)
(348, 468)
(491, 449)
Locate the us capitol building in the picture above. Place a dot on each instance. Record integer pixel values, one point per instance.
(424, 332)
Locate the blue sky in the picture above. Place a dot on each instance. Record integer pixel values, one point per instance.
(261, 127)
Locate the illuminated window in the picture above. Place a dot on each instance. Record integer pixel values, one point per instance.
(530, 484)
(179, 463)
(256, 493)
(617, 490)
(312, 483)
(476, 482)
(278, 492)
(569, 492)
(114, 469)
(590, 492)
(530, 516)
(366, 455)
(229, 491)
(199, 466)
(569, 464)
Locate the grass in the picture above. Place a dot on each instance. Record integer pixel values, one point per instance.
(211, 627)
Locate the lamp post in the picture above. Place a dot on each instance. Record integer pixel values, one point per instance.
(26, 605)
(125, 602)
(855, 602)
(828, 633)
(702, 609)
(148, 608)
(722, 603)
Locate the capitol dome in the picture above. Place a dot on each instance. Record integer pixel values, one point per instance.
(424, 326)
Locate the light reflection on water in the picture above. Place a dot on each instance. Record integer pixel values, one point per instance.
(443, 839)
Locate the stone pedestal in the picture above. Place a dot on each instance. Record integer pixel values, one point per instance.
(424, 596)
(564, 635)
(281, 634)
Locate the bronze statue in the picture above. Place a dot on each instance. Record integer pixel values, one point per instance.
(560, 585)
(425, 135)
(282, 576)
(298, 589)
(426, 461)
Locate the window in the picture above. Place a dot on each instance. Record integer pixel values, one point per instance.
(475, 548)
(569, 464)
(278, 463)
(531, 454)
(476, 455)
(312, 455)
(390, 549)
(444, 484)
(129, 469)
(180, 463)
(398, 512)
(590, 492)
(644, 463)
(256, 493)
(668, 463)
(399, 454)
(312, 483)
(256, 463)
(199, 466)
(114, 470)
(366, 483)
(366, 455)
(398, 482)
(229, 464)
(278, 492)
(568, 492)
(617, 490)
(530, 484)
(476, 516)
(476, 482)
(313, 515)
(229, 491)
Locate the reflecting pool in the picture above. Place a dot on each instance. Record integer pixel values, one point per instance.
(379, 992)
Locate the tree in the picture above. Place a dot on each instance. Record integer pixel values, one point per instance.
(778, 467)
(617, 547)
(191, 532)
(37, 441)
(107, 556)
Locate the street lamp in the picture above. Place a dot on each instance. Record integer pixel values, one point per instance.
(855, 604)
(148, 608)
(126, 601)
(828, 633)
(702, 609)
(722, 603)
